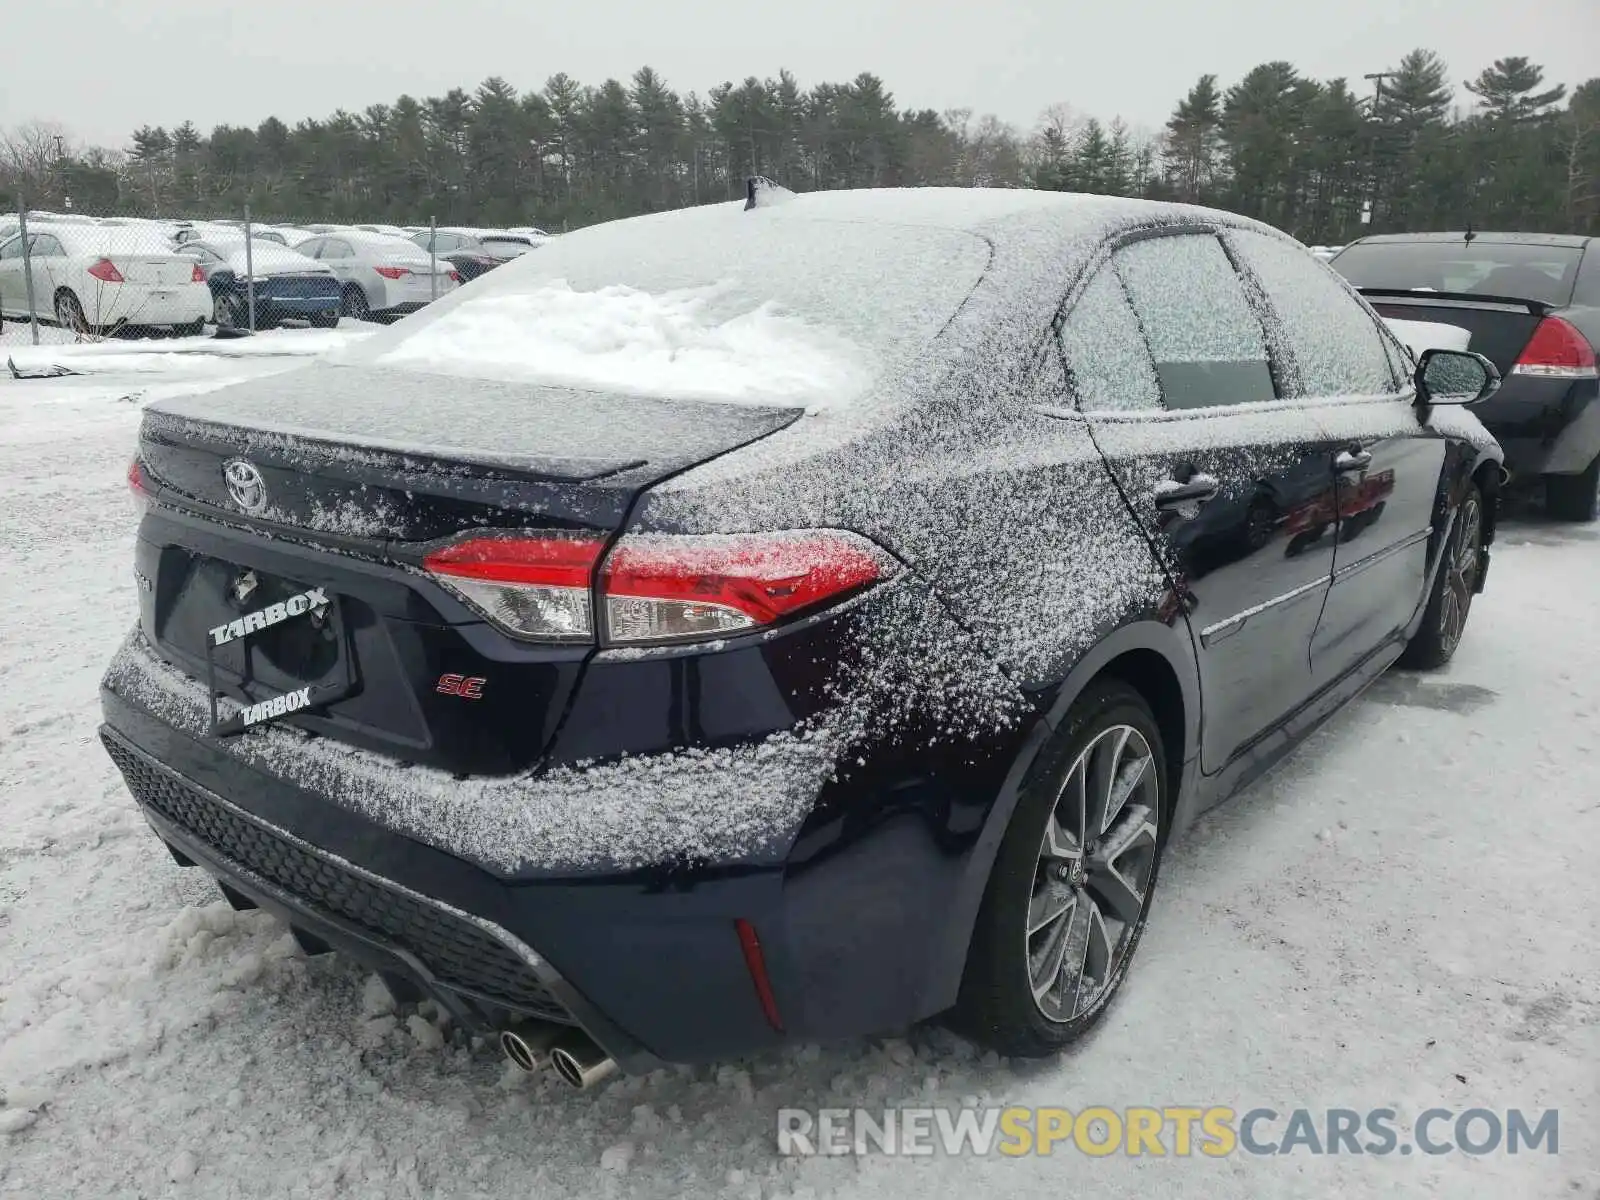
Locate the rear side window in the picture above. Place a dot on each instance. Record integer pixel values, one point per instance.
(45, 246)
(1206, 341)
(1106, 354)
(334, 249)
(1337, 348)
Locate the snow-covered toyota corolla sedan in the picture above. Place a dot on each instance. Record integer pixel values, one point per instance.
(743, 625)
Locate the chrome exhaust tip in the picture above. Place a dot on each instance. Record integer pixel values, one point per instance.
(525, 1045)
(579, 1061)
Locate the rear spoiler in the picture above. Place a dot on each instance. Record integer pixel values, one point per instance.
(1422, 295)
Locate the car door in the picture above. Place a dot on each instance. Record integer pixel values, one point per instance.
(49, 269)
(1388, 462)
(13, 286)
(1171, 370)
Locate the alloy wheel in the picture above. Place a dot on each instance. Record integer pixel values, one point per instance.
(1096, 866)
(1461, 578)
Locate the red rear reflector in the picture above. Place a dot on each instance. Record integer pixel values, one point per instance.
(197, 275)
(392, 272)
(106, 271)
(455, 276)
(755, 962)
(1556, 349)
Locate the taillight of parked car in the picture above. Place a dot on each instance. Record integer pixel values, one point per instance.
(106, 271)
(656, 588)
(138, 486)
(1556, 350)
(392, 272)
(455, 276)
(197, 275)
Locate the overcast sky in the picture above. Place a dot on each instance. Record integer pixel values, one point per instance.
(103, 67)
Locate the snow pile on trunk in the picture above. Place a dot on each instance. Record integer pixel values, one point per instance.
(1429, 335)
(671, 344)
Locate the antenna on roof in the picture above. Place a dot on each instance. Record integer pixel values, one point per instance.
(761, 192)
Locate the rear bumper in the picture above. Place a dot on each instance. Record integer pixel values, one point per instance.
(128, 304)
(1546, 427)
(862, 913)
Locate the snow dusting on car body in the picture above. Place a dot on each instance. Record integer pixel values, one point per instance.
(1076, 451)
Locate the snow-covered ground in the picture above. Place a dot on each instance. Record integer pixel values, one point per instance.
(1404, 915)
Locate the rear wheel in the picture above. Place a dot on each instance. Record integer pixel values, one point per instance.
(325, 320)
(1072, 882)
(354, 304)
(227, 312)
(1574, 497)
(192, 329)
(69, 313)
(1454, 586)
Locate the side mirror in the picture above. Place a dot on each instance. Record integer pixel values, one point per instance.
(1455, 377)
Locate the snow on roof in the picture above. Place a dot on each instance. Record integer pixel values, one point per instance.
(806, 303)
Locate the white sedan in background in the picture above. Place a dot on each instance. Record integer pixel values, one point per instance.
(96, 278)
(380, 276)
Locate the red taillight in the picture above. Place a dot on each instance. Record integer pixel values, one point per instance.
(392, 272)
(106, 271)
(139, 485)
(656, 588)
(756, 963)
(1556, 349)
(667, 588)
(533, 587)
(455, 276)
(197, 275)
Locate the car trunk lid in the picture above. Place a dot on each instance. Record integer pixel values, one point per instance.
(155, 270)
(352, 472)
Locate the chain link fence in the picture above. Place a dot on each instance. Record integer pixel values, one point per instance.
(93, 277)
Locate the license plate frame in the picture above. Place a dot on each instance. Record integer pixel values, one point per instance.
(255, 713)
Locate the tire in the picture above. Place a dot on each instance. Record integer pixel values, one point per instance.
(353, 304)
(325, 320)
(1574, 497)
(227, 312)
(1454, 585)
(69, 313)
(192, 329)
(1046, 895)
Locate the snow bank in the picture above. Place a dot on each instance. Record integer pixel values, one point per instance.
(167, 355)
(672, 344)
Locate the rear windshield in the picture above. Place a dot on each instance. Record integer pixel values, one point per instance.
(1521, 272)
(703, 304)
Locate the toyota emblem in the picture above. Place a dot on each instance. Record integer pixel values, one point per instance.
(245, 485)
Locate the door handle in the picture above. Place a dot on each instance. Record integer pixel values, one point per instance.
(1196, 490)
(1352, 460)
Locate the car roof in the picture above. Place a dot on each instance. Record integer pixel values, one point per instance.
(1575, 241)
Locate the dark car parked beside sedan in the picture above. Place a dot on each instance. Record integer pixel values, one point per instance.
(820, 618)
(1530, 302)
(285, 284)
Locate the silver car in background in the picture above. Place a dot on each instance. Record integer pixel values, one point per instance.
(380, 276)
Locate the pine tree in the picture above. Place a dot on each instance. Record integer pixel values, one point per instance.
(1509, 92)
(1193, 139)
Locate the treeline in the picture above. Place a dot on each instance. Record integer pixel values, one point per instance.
(1313, 157)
